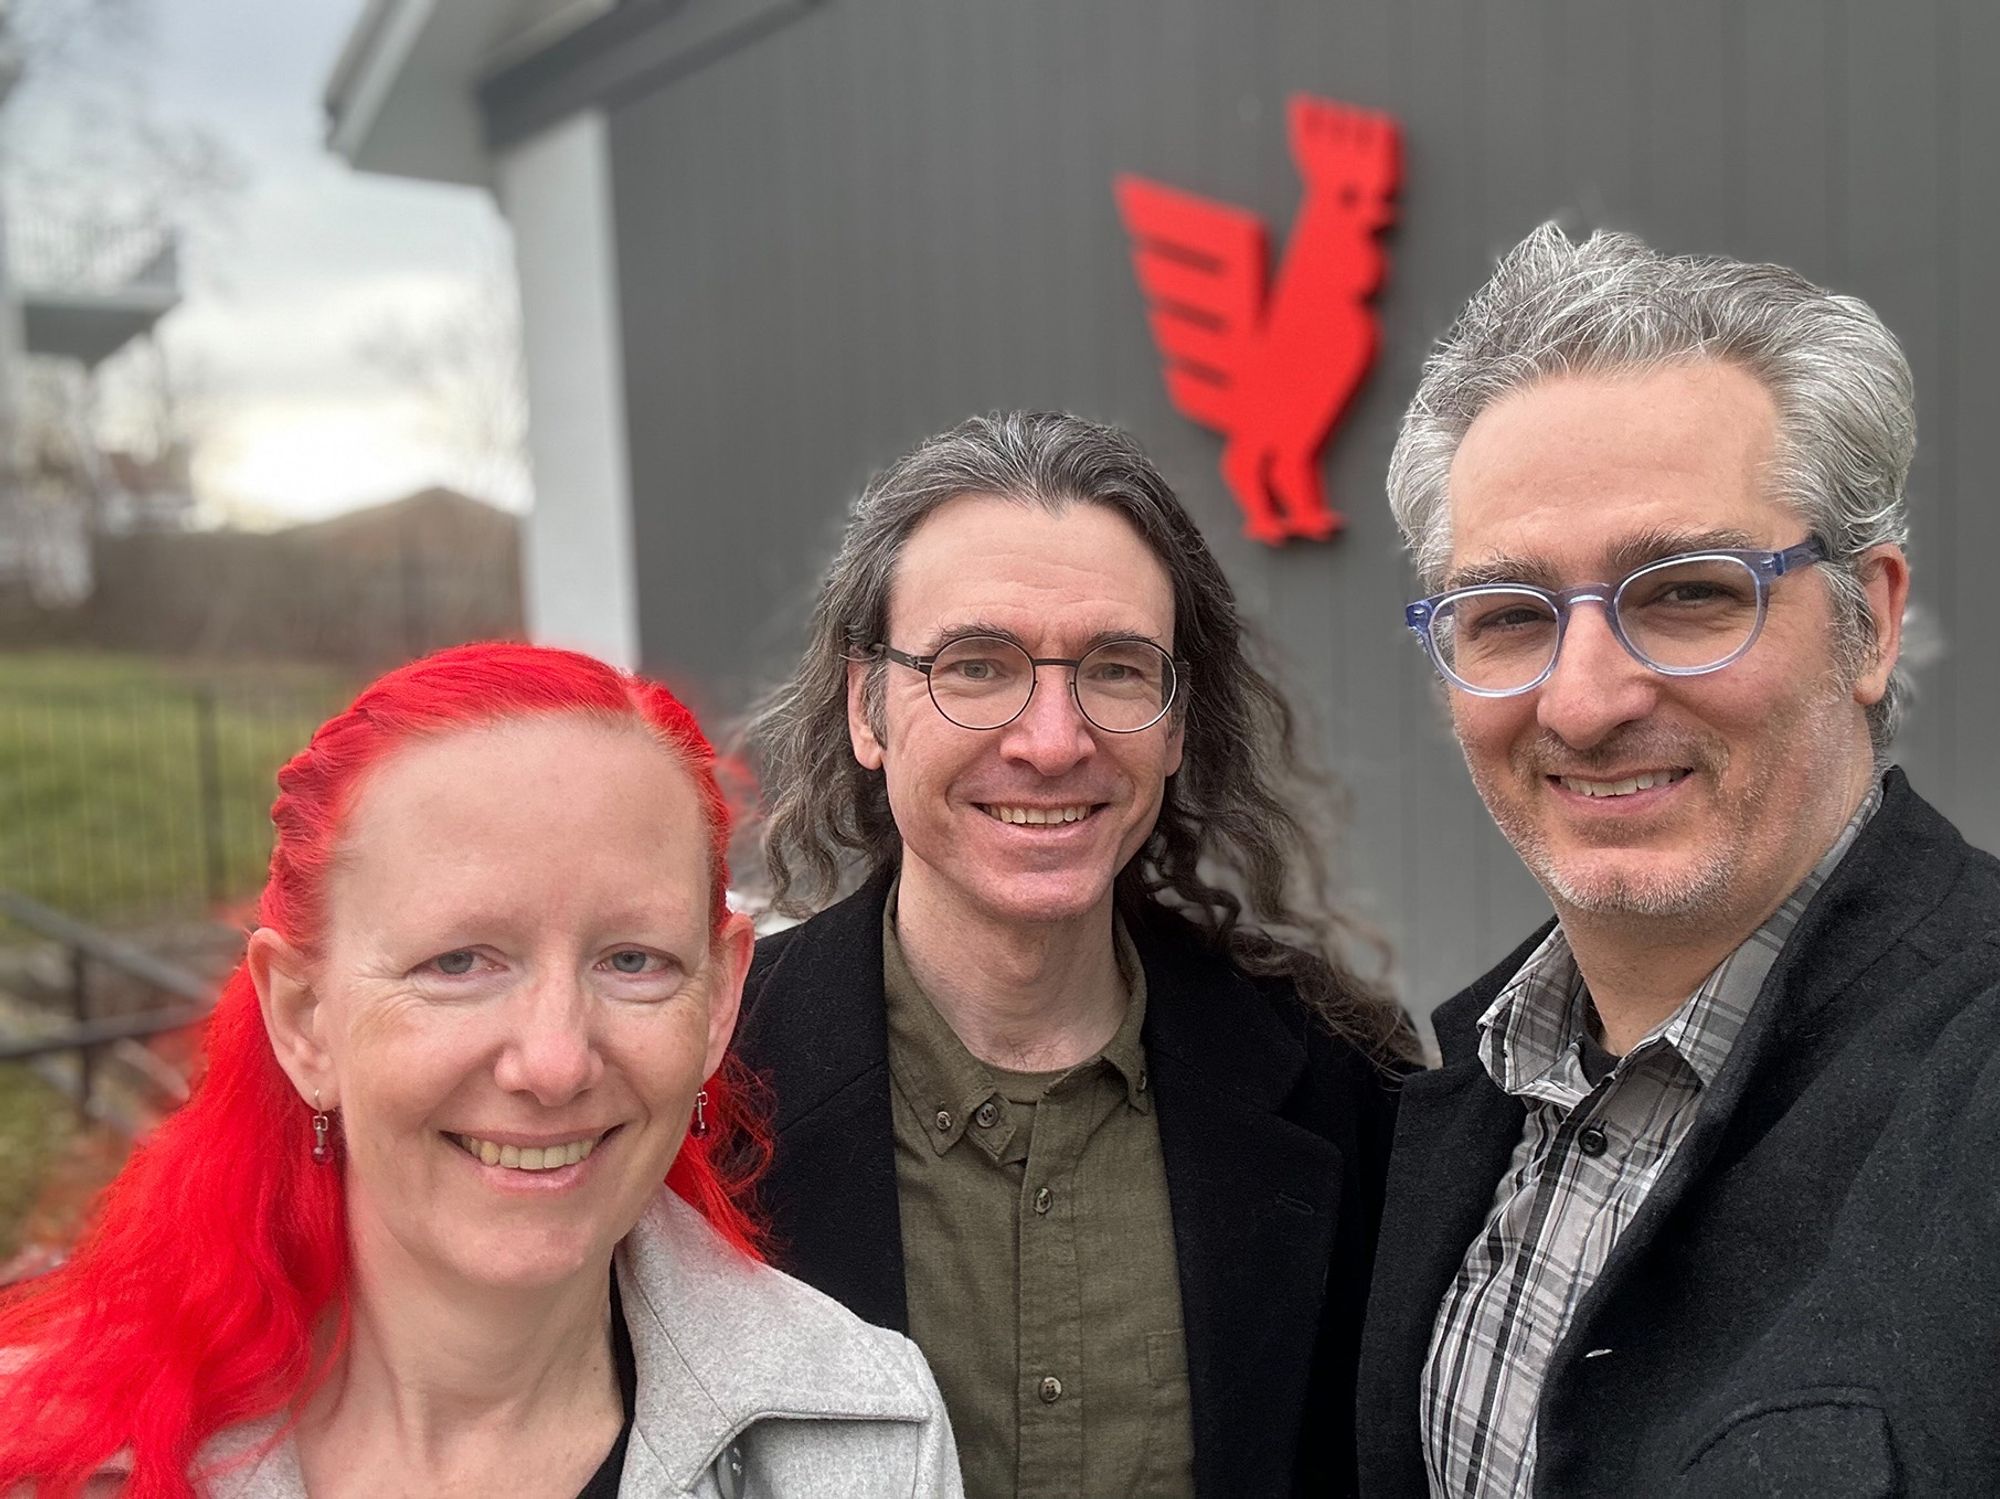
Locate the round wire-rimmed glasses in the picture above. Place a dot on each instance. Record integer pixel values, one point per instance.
(986, 681)
(1681, 616)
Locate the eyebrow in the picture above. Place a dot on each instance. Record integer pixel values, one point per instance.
(957, 630)
(1634, 552)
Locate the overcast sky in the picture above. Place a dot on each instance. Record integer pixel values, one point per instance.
(310, 259)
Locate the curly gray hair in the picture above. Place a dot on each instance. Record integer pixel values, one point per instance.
(1847, 426)
(1228, 851)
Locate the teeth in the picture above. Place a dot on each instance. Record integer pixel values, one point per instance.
(1037, 816)
(530, 1158)
(1644, 781)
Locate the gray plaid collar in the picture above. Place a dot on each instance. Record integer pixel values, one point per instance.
(1531, 1035)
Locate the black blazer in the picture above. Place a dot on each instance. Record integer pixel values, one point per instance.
(1275, 1138)
(1809, 1301)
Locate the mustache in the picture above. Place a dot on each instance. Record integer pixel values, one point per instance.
(1636, 744)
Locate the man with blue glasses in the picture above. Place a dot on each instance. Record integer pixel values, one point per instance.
(1704, 1198)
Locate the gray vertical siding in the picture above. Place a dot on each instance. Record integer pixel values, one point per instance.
(886, 214)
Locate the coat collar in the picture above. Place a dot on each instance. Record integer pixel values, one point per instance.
(832, 1026)
(1455, 1131)
(722, 1341)
(815, 1029)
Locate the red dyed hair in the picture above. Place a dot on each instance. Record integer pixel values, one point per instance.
(219, 1256)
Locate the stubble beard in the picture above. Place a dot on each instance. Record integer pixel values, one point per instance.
(1705, 880)
(1601, 882)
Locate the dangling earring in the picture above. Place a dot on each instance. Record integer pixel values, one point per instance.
(322, 1152)
(700, 1130)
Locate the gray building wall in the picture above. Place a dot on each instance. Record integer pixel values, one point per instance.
(872, 217)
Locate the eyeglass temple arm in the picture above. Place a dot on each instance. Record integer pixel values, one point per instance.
(881, 650)
(1812, 549)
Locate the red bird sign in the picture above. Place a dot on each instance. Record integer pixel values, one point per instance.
(1271, 366)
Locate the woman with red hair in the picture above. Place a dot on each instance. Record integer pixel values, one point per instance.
(407, 1236)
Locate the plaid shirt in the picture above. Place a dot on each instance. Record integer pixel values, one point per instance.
(1587, 1158)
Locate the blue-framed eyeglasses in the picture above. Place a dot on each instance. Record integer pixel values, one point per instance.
(1681, 616)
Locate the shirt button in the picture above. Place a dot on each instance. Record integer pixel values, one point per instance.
(944, 1121)
(1043, 1197)
(1142, 1080)
(1591, 1140)
(1051, 1389)
(986, 1115)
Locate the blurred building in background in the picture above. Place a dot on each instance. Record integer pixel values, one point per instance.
(764, 245)
(74, 290)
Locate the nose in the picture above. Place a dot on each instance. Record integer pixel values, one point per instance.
(1051, 734)
(1597, 684)
(552, 1053)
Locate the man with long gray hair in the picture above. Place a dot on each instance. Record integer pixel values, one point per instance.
(1703, 1199)
(1076, 1088)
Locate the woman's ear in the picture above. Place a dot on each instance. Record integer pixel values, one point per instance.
(292, 1017)
(734, 945)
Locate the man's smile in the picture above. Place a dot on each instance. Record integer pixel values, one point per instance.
(1624, 785)
(1023, 815)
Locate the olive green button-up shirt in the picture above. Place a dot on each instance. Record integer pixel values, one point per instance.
(1038, 1252)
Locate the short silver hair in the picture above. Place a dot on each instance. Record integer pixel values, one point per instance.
(1847, 425)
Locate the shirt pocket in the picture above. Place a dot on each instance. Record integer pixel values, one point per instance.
(1167, 1470)
(1830, 1441)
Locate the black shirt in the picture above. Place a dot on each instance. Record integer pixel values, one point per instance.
(604, 1482)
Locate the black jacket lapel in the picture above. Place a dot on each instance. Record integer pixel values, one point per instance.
(826, 1061)
(1455, 1133)
(1254, 1198)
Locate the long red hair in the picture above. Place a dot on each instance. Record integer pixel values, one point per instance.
(219, 1257)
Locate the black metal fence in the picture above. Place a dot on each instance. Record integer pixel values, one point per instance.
(131, 799)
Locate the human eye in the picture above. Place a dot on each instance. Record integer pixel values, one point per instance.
(1500, 617)
(1692, 593)
(634, 972)
(1694, 586)
(634, 962)
(458, 963)
(1123, 665)
(976, 662)
(971, 668)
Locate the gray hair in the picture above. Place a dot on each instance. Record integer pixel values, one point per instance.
(1847, 426)
(1226, 840)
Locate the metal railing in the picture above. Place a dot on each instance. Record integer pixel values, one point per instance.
(83, 255)
(189, 999)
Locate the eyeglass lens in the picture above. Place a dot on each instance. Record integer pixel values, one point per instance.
(984, 681)
(1681, 616)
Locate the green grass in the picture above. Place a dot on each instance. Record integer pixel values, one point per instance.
(104, 812)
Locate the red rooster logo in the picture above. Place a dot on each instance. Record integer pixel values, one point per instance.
(1272, 366)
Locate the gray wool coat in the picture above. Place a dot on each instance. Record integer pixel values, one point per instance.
(752, 1385)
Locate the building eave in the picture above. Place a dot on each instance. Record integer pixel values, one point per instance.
(403, 97)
